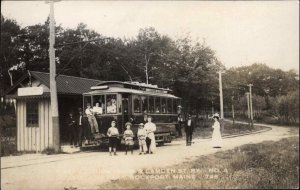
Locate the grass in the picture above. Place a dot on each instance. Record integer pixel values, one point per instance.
(268, 165)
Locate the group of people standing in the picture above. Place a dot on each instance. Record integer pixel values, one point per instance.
(145, 133)
(76, 128)
(145, 136)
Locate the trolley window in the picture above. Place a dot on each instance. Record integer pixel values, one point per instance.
(111, 103)
(99, 104)
(137, 104)
(169, 105)
(144, 100)
(175, 105)
(157, 105)
(163, 105)
(151, 104)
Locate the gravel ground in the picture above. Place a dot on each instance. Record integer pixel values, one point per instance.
(86, 170)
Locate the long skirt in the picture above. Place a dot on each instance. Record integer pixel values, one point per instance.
(216, 138)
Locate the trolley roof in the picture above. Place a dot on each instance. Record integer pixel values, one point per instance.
(129, 87)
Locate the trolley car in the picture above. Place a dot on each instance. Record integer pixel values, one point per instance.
(133, 101)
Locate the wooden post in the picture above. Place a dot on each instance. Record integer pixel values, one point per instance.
(250, 100)
(248, 104)
(221, 100)
(232, 110)
(53, 88)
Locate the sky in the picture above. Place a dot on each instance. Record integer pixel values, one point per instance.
(241, 33)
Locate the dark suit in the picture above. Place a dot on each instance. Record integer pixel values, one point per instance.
(189, 129)
(71, 122)
(81, 132)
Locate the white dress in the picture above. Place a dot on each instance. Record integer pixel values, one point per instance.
(216, 135)
(150, 128)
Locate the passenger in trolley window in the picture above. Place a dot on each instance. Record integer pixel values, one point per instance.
(111, 106)
(128, 137)
(141, 134)
(97, 109)
(91, 118)
(150, 128)
(113, 136)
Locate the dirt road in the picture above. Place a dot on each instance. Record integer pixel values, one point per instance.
(89, 169)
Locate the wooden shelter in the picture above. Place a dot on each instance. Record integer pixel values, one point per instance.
(32, 95)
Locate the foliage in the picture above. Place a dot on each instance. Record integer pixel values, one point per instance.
(187, 67)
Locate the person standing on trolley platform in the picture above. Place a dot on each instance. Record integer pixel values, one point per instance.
(189, 129)
(92, 119)
(113, 135)
(150, 128)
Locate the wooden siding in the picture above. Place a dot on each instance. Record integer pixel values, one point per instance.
(34, 138)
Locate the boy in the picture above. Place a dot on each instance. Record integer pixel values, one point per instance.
(113, 135)
(141, 134)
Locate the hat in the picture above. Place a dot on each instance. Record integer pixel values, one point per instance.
(128, 123)
(141, 124)
(179, 106)
(216, 115)
(149, 116)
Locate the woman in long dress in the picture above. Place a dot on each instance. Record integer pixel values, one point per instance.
(216, 135)
(150, 128)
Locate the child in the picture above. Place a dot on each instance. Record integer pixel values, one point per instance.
(128, 137)
(113, 135)
(141, 134)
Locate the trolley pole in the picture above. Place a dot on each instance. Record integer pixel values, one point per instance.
(250, 101)
(53, 88)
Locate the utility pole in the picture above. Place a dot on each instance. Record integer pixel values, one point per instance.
(232, 109)
(53, 88)
(248, 104)
(221, 94)
(250, 101)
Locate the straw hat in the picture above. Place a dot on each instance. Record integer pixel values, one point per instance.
(216, 115)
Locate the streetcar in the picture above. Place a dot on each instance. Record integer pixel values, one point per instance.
(132, 102)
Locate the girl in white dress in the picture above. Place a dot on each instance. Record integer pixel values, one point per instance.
(216, 135)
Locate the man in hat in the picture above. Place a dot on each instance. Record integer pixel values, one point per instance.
(189, 129)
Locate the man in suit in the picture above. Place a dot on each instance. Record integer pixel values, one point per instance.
(189, 129)
(72, 129)
(79, 120)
